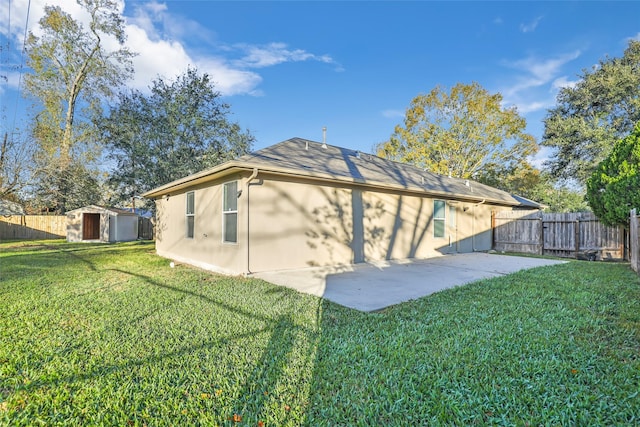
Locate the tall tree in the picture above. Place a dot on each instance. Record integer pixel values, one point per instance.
(181, 127)
(73, 72)
(592, 115)
(534, 184)
(14, 161)
(460, 133)
(614, 187)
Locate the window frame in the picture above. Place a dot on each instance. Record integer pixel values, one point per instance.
(190, 215)
(227, 212)
(442, 219)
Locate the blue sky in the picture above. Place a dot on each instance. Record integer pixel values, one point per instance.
(289, 68)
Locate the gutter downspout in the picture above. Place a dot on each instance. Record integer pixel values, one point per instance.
(253, 176)
(473, 226)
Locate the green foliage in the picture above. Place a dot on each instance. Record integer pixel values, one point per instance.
(110, 335)
(614, 188)
(72, 74)
(76, 184)
(560, 198)
(460, 133)
(180, 128)
(592, 115)
(539, 186)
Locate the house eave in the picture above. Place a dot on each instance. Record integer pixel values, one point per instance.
(231, 167)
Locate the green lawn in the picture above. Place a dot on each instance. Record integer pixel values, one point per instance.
(110, 335)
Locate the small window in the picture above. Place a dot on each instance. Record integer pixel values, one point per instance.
(191, 214)
(438, 218)
(230, 213)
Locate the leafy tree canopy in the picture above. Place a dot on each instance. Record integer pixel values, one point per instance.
(614, 188)
(72, 71)
(539, 186)
(461, 133)
(592, 115)
(181, 127)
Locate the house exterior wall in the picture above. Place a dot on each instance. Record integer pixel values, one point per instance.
(298, 223)
(206, 249)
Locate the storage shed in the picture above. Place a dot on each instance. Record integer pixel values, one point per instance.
(101, 224)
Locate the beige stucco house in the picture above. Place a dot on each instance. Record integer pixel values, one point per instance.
(301, 203)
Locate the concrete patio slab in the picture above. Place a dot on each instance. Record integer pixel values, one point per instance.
(370, 287)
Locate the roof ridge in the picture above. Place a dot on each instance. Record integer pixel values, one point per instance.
(415, 168)
(304, 156)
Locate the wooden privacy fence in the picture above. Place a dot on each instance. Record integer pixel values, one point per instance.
(32, 227)
(568, 235)
(634, 241)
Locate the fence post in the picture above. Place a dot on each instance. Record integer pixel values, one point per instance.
(577, 238)
(634, 241)
(493, 229)
(541, 235)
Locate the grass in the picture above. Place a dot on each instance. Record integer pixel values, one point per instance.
(110, 335)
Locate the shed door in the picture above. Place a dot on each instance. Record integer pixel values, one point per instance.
(90, 226)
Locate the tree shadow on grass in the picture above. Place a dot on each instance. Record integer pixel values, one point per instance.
(285, 360)
(275, 387)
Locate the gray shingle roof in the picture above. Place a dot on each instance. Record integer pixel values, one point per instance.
(301, 157)
(309, 157)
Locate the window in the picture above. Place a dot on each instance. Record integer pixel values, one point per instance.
(230, 213)
(191, 214)
(438, 218)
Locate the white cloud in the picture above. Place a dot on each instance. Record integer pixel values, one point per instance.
(538, 71)
(155, 19)
(393, 114)
(531, 26)
(636, 37)
(528, 107)
(274, 54)
(537, 82)
(543, 155)
(160, 39)
(12, 80)
(155, 34)
(562, 82)
(230, 80)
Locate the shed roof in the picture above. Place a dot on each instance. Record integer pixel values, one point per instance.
(103, 209)
(301, 157)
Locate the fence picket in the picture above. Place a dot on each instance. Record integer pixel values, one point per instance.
(634, 240)
(569, 235)
(32, 227)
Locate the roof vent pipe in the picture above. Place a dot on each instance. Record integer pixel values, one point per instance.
(324, 137)
(306, 145)
(358, 153)
(466, 182)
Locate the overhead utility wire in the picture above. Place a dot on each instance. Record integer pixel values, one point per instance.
(21, 70)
